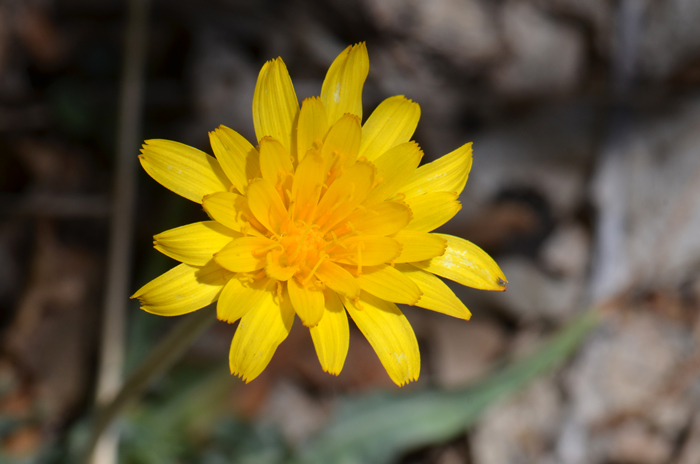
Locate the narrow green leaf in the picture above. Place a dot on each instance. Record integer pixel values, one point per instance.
(378, 428)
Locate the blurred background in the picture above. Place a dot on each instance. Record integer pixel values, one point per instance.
(585, 187)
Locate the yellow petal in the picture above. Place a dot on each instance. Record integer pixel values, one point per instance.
(266, 204)
(392, 123)
(259, 334)
(238, 297)
(275, 269)
(418, 246)
(238, 158)
(275, 163)
(306, 188)
(307, 302)
(344, 195)
(389, 284)
(342, 88)
(184, 170)
(394, 168)
(245, 254)
(183, 289)
(312, 126)
(231, 210)
(342, 142)
(390, 334)
(385, 218)
(338, 279)
(436, 295)
(446, 174)
(194, 244)
(467, 264)
(431, 210)
(275, 104)
(332, 335)
(366, 250)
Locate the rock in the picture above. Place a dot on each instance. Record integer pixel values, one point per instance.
(462, 31)
(634, 443)
(520, 429)
(552, 289)
(625, 364)
(566, 251)
(628, 402)
(547, 151)
(670, 40)
(534, 295)
(690, 451)
(650, 183)
(598, 15)
(462, 351)
(545, 56)
(451, 456)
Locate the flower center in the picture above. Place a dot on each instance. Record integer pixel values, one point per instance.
(303, 244)
(301, 250)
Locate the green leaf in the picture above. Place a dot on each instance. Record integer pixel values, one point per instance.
(377, 428)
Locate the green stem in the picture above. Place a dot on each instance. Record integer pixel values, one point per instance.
(163, 356)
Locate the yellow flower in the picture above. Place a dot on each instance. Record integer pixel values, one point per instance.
(325, 216)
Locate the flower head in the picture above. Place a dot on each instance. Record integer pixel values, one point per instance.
(325, 216)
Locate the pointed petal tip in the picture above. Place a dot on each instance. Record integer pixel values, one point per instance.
(407, 381)
(267, 139)
(242, 375)
(149, 142)
(331, 370)
(415, 302)
(469, 146)
(349, 48)
(353, 116)
(224, 319)
(409, 100)
(235, 372)
(274, 62)
(218, 129)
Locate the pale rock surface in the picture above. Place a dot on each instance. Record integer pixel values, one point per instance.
(623, 367)
(599, 15)
(519, 430)
(532, 294)
(635, 443)
(463, 350)
(464, 31)
(690, 452)
(548, 151)
(670, 39)
(628, 393)
(567, 251)
(657, 173)
(545, 57)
